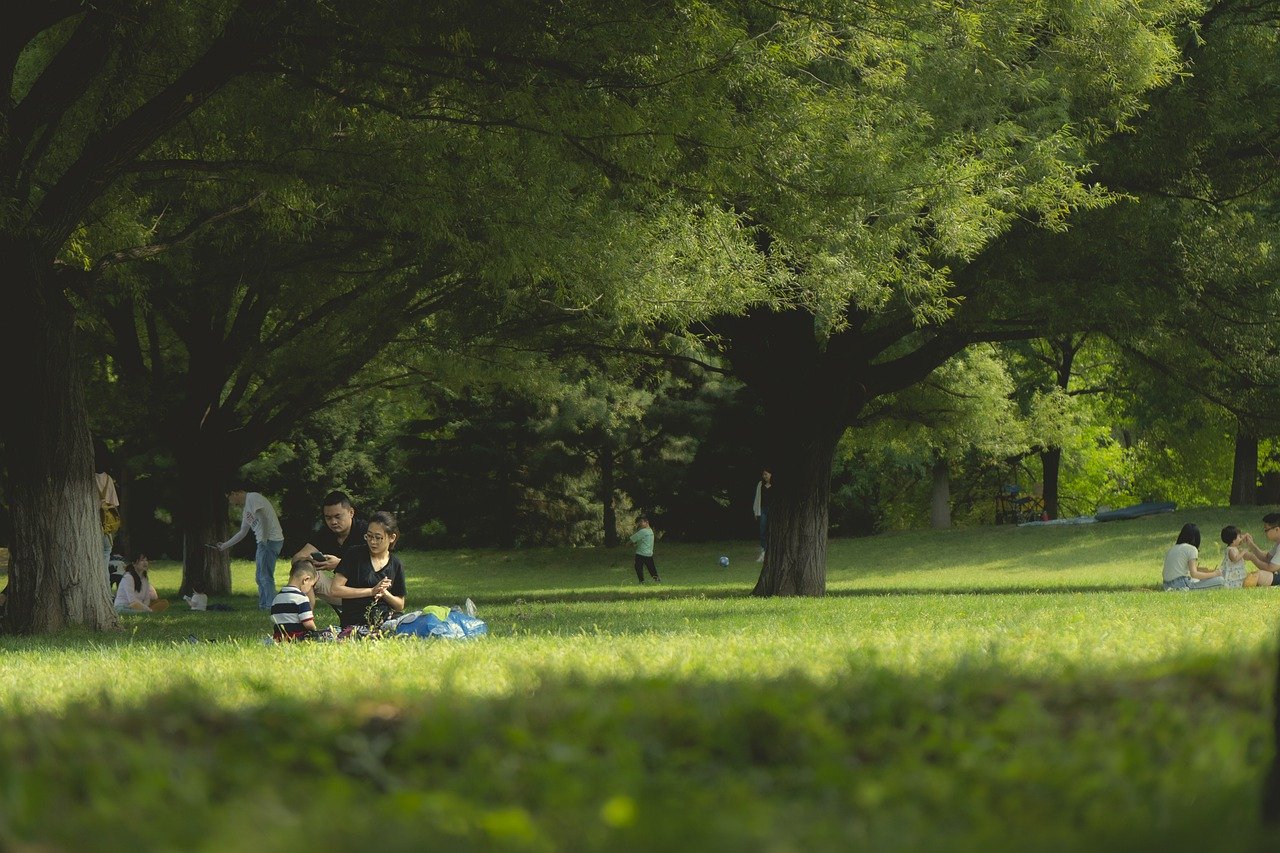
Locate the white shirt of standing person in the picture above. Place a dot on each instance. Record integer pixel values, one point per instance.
(107, 489)
(260, 517)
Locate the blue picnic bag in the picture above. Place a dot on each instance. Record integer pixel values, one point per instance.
(456, 625)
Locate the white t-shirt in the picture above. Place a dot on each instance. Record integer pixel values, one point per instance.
(260, 517)
(128, 597)
(107, 493)
(1177, 563)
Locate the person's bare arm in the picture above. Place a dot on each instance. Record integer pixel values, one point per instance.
(304, 553)
(1199, 574)
(339, 589)
(1260, 560)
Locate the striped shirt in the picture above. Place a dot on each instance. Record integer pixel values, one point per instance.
(289, 610)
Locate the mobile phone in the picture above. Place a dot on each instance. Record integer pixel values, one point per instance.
(317, 556)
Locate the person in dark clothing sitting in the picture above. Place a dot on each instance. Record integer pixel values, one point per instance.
(370, 579)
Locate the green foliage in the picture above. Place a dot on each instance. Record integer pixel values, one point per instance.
(964, 406)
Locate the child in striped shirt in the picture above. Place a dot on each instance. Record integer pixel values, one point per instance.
(291, 609)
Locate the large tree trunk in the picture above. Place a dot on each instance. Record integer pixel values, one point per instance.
(204, 520)
(795, 559)
(57, 576)
(1269, 491)
(1051, 463)
(607, 488)
(940, 508)
(1244, 468)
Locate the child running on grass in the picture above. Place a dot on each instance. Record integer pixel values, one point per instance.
(643, 539)
(291, 609)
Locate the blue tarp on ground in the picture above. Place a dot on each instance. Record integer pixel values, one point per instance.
(1136, 511)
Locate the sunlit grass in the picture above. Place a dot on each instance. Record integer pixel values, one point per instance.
(961, 682)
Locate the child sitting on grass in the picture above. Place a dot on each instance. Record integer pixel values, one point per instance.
(1235, 574)
(135, 594)
(291, 609)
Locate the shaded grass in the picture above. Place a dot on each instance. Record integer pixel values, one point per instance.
(999, 688)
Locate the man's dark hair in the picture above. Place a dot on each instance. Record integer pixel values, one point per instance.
(1271, 519)
(640, 518)
(337, 499)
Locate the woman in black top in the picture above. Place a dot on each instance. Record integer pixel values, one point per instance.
(370, 579)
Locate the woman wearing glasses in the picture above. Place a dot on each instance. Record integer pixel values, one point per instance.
(370, 579)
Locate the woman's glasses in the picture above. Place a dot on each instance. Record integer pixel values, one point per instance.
(374, 537)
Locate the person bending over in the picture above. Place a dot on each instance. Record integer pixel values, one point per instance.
(257, 514)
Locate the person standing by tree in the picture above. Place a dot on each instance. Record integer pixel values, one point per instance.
(257, 514)
(341, 531)
(764, 495)
(109, 502)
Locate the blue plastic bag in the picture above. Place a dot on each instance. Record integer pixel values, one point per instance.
(457, 626)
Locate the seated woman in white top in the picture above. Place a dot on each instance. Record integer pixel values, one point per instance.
(1181, 569)
(135, 594)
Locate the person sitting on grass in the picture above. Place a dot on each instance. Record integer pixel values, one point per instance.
(370, 579)
(1268, 563)
(135, 594)
(341, 530)
(1181, 569)
(1235, 574)
(291, 612)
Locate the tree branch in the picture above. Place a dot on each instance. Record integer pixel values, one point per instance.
(152, 249)
(253, 29)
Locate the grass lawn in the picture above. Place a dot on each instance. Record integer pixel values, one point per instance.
(996, 688)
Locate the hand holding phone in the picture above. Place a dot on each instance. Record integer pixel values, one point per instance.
(318, 557)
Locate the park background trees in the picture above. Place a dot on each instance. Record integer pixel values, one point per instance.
(826, 206)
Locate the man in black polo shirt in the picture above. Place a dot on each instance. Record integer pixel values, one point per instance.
(340, 531)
